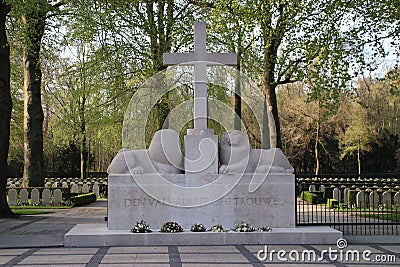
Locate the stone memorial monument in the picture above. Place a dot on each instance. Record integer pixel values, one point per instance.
(225, 182)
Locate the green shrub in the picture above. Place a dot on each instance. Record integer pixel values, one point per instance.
(83, 199)
(332, 203)
(312, 197)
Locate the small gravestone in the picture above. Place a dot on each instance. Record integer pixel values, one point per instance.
(360, 198)
(397, 199)
(96, 189)
(336, 194)
(54, 185)
(57, 197)
(12, 186)
(346, 196)
(373, 200)
(23, 196)
(322, 189)
(47, 185)
(46, 197)
(311, 188)
(85, 188)
(64, 185)
(352, 198)
(74, 188)
(387, 199)
(35, 196)
(12, 197)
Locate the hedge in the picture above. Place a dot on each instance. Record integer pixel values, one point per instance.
(83, 199)
(332, 203)
(312, 197)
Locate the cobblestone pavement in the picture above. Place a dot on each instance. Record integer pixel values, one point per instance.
(38, 241)
(196, 256)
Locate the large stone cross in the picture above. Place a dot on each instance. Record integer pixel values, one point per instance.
(200, 59)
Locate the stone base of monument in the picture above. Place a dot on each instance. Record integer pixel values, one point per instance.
(97, 235)
(215, 199)
(271, 204)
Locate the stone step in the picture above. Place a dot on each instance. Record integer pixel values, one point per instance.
(95, 235)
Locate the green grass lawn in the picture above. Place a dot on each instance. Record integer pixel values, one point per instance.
(39, 207)
(31, 211)
(383, 216)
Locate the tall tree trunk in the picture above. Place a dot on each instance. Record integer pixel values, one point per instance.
(316, 148)
(359, 157)
(238, 99)
(270, 53)
(34, 24)
(5, 110)
(272, 106)
(83, 144)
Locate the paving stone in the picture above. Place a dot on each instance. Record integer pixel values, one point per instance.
(130, 265)
(5, 259)
(57, 259)
(211, 258)
(125, 250)
(12, 252)
(72, 251)
(394, 249)
(194, 249)
(135, 258)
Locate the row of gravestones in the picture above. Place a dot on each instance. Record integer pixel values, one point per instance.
(74, 188)
(48, 197)
(85, 188)
(363, 198)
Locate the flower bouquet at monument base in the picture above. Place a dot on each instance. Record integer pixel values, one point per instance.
(141, 227)
(218, 228)
(171, 227)
(198, 227)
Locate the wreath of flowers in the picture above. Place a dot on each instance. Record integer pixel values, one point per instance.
(218, 228)
(171, 227)
(244, 227)
(141, 227)
(198, 227)
(264, 229)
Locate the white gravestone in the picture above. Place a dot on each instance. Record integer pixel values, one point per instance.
(96, 189)
(336, 194)
(74, 188)
(46, 197)
(201, 145)
(12, 197)
(23, 196)
(35, 196)
(57, 197)
(360, 198)
(387, 199)
(311, 188)
(64, 185)
(397, 199)
(346, 193)
(85, 188)
(373, 200)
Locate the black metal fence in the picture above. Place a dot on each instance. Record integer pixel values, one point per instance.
(355, 205)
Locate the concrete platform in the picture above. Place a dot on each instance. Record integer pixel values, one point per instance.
(95, 235)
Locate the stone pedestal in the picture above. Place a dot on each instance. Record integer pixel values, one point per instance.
(201, 152)
(272, 204)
